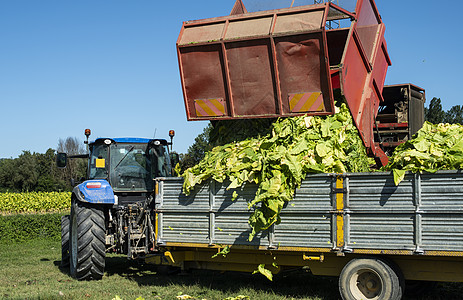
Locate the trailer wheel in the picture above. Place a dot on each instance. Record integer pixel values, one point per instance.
(87, 241)
(369, 278)
(65, 241)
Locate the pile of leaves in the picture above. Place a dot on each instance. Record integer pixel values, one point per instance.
(279, 161)
(230, 131)
(434, 147)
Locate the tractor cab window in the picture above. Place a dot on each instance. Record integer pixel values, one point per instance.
(98, 163)
(161, 161)
(130, 167)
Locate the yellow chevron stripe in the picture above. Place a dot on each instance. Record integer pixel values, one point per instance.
(198, 113)
(219, 105)
(308, 104)
(206, 108)
(295, 100)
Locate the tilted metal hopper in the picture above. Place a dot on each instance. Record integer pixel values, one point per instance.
(285, 62)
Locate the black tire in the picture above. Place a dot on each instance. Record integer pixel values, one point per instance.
(398, 272)
(65, 241)
(369, 278)
(87, 241)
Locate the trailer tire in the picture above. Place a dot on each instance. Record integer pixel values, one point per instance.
(87, 241)
(65, 241)
(369, 278)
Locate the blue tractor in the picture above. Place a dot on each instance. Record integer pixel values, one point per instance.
(113, 209)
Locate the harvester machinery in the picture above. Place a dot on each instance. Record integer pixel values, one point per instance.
(293, 61)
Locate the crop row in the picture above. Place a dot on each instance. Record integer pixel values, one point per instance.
(34, 202)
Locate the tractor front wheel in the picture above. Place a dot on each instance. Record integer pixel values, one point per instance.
(87, 241)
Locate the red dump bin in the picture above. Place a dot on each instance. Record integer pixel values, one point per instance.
(285, 62)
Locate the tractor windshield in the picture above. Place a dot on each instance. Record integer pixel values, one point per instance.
(129, 166)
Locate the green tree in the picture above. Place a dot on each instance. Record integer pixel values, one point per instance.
(26, 174)
(48, 174)
(38, 172)
(7, 170)
(76, 167)
(434, 113)
(454, 115)
(45, 170)
(30, 172)
(197, 150)
(19, 174)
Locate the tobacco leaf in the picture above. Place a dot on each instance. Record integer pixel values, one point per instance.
(278, 161)
(262, 270)
(434, 147)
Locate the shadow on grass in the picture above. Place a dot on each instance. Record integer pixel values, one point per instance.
(64, 270)
(291, 284)
(296, 284)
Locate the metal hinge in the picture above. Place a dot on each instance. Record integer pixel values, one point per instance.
(339, 190)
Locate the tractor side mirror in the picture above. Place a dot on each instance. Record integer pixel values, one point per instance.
(61, 160)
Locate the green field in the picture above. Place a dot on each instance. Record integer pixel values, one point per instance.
(31, 271)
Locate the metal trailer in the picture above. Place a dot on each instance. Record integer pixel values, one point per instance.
(358, 226)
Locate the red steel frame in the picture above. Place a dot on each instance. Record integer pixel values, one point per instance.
(208, 68)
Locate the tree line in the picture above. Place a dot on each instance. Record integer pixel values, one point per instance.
(38, 171)
(435, 114)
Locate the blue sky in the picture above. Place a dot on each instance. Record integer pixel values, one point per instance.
(111, 65)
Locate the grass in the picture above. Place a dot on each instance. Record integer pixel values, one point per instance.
(31, 271)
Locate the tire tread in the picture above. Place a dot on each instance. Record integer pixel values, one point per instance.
(91, 242)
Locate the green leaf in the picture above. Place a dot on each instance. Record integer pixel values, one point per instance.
(322, 149)
(457, 148)
(239, 297)
(234, 184)
(325, 127)
(262, 270)
(222, 252)
(398, 176)
(422, 145)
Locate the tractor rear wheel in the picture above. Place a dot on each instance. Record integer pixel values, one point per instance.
(87, 241)
(65, 241)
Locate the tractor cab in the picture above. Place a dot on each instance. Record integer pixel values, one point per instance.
(122, 170)
(129, 164)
